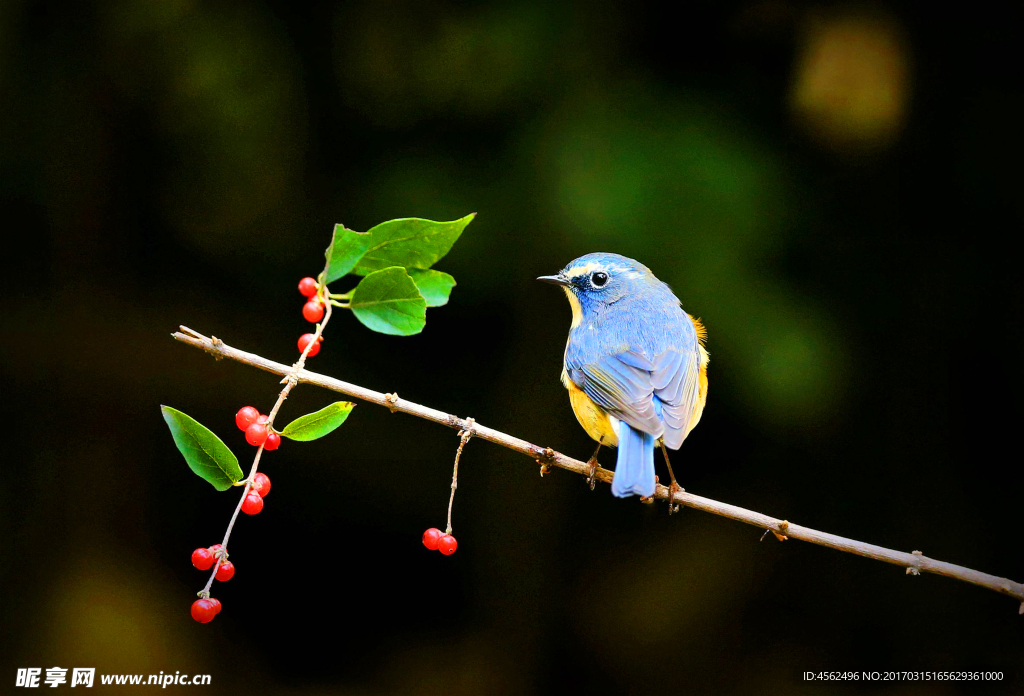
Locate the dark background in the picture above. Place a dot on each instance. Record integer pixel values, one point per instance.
(830, 187)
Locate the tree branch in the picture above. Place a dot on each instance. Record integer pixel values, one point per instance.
(915, 563)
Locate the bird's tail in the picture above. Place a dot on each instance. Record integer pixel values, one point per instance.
(634, 468)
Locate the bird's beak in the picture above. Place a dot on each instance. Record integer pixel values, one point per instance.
(556, 280)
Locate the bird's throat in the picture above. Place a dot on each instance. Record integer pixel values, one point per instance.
(577, 311)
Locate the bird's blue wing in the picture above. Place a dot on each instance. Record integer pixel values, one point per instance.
(675, 379)
(628, 385)
(621, 385)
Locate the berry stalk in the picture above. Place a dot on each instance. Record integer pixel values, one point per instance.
(290, 380)
(464, 436)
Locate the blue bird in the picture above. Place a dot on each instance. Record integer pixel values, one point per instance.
(635, 365)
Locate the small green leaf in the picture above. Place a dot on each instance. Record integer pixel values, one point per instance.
(205, 453)
(347, 247)
(410, 242)
(435, 286)
(315, 425)
(389, 302)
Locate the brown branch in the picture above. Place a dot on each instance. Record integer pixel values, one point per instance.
(915, 563)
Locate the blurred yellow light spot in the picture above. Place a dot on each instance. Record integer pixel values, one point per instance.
(851, 82)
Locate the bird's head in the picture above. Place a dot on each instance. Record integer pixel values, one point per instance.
(597, 280)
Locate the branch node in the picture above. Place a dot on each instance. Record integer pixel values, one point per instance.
(218, 348)
(915, 569)
(544, 468)
(549, 454)
(783, 526)
(466, 431)
(392, 401)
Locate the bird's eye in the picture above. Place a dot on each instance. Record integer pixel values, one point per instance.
(599, 279)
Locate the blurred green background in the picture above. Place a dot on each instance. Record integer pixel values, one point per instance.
(830, 186)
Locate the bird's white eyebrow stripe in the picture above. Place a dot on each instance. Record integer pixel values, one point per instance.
(576, 271)
(580, 270)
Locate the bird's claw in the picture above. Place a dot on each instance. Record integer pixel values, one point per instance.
(592, 477)
(672, 490)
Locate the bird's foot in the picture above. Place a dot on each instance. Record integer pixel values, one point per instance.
(673, 487)
(672, 490)
(592, 477)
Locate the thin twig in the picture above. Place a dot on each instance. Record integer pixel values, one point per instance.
(915, 562)
(289, 383)
(464, 436)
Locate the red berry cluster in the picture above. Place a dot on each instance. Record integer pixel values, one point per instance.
(312, 311)
(304, 340)
(257, 433)
(203, 610)
(253, 502)
(203, 559)
(436, 540)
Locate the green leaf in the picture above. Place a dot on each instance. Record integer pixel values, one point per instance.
(389, 302)
(347, 247)
(410, 242)
(435, 286)
(205, 453)
(315, 425)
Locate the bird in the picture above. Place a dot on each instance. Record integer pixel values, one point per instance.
(635, 365)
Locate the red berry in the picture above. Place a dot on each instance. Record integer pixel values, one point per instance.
(252, 504)
(261, 482)
(256, 434)
(431, 537)
(313, 311)
(245, 417)
(447, 545)
(307, 286)
(216, 605)
(203, 610)
(262, 420)
(202, 559)
(304, 341)
(225, 571)
(215, 548)
(273, 441)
